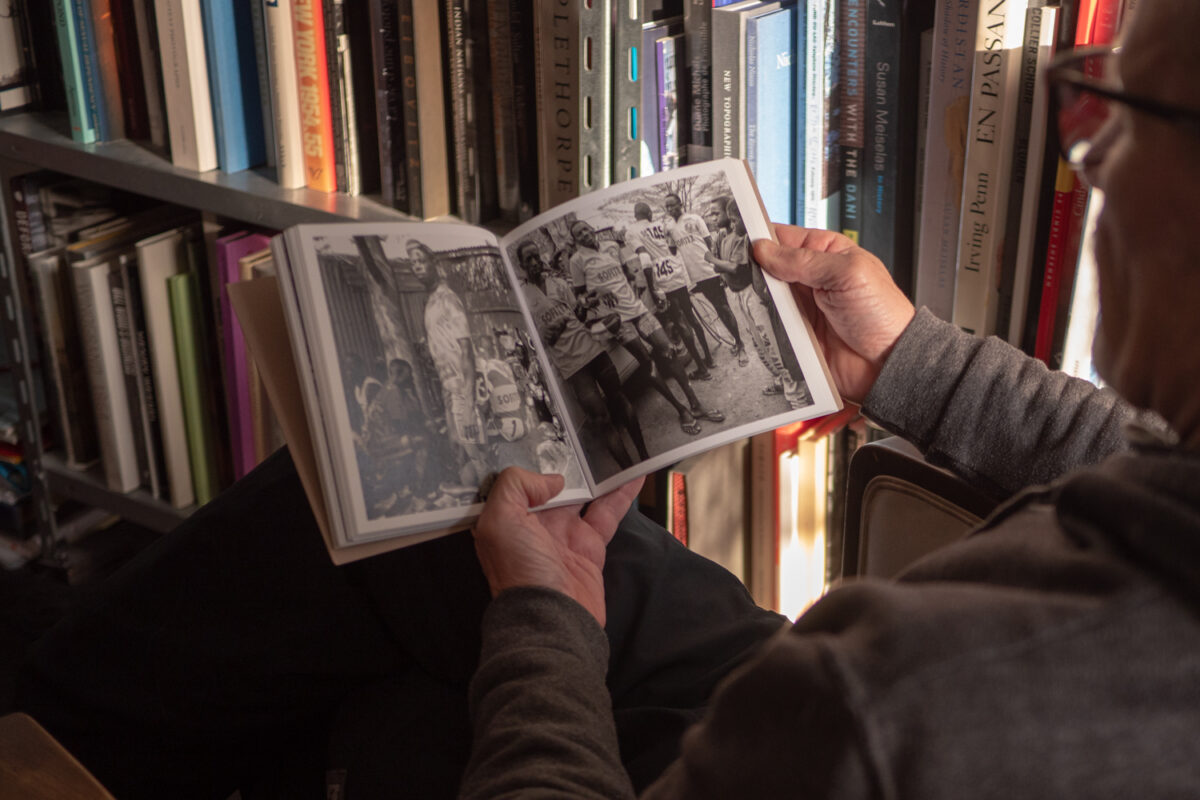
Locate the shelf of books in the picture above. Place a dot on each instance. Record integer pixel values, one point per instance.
(923, 130)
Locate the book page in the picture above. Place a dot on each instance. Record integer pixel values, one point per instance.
(665, 338)
(424, 381)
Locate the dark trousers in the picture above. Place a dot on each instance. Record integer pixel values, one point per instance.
(233, 654)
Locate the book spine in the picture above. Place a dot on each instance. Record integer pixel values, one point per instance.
(1038, 192)
(989, 141)
(83, 128)
(120, 312)
(385, 55)
(152, 433)
(726, 66)
(556, 26)
(102, 359)
(410, 107)
(359, 72)
(159, 257)
(697, 31)
(105, 50)
(945, 147)
(462, 177)
(129, 70)
(831, 172)
(852, 27)
(882, 153)
(504, 112)
(481, 121)
(152, 78)
(752, 96)
(20, 212)
(93, 82)
(1025, 89)
(233, 84)
(312, 82)
(433, 159)
(651, 133)
(185, 311)
(816, 211)
(262, 70)
(595, 95)
(799, 112)
(341, 99)
(185, 84)
(285, 95)
(668, 105)
(773, 120)
(63, 347)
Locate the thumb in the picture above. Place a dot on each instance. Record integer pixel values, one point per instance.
(526, 489)
(814, 268)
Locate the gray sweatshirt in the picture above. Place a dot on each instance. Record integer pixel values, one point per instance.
(1055, 652)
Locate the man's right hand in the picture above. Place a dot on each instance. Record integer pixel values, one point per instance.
(855, 308)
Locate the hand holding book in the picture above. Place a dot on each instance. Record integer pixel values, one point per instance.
(857, 311)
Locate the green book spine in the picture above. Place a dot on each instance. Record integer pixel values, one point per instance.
(183, 292)
(83, 128)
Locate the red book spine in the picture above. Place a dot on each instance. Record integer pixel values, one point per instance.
(1064, 188)
(316, 120)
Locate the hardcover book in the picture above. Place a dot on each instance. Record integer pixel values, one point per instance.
(190, 129)
(770, 139)
(285, 93)
(233, 84)
(430, 356)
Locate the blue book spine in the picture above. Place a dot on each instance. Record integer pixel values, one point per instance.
(799, 103)
(770, 128)
(82, 128)
(89, 62)
(233, 84)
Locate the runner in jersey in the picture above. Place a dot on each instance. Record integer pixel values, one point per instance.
(581, 360)
(693, 241)
(668, 280)
(595, 272)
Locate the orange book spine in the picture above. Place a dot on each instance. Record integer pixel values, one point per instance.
(316, 121)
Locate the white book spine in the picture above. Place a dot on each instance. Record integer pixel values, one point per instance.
(1001, 28)
(160, 257)
(815, 209)
(185, 84)
(945, 141)
(118, 452)
(285, 93)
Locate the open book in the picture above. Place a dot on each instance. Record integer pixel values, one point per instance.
(607, 338)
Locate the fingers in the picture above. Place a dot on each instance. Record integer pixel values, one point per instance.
(812, 239)
(605, 512)
(816, 268)
(516, 486)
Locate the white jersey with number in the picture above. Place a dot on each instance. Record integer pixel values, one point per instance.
(688, 234)
(601, 273)
(651, 236)
(575, 346)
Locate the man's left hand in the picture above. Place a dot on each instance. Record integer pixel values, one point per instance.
(558, 548)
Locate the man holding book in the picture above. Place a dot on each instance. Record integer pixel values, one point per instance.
(1051, 653)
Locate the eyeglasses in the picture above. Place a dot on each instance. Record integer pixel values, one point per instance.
(1088, 87)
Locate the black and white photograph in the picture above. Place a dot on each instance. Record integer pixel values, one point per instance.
(439, 383)
(660, 327)
(603, 340)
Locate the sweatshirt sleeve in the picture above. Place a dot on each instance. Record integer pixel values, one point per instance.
(992, 414)
(540, 708)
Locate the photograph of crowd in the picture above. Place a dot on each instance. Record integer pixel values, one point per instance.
(657, 321)
(440, 380)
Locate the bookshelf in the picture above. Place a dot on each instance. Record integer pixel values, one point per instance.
(34, 141)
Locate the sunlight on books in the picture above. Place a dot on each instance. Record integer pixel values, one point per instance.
(801, 526)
